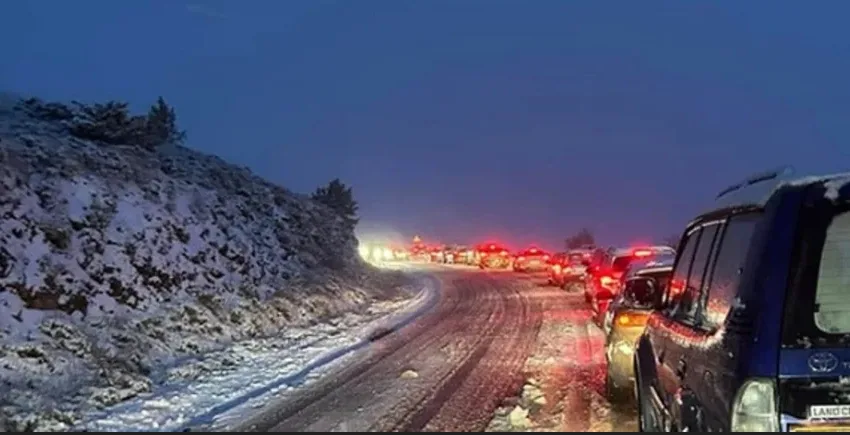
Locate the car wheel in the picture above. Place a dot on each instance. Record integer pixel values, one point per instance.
(615, 394)
(646, 418)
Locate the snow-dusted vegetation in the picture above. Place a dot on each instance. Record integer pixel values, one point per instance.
(123, 255)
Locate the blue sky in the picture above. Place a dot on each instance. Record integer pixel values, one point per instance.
(464, 120)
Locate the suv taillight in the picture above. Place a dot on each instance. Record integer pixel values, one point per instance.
(631, 319)
(755, 407)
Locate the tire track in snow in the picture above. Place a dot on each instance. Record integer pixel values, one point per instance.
(455, 352)
(429, 406)
(499, 373)
(355, 384)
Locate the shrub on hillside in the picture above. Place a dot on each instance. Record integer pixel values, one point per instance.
(111, 122)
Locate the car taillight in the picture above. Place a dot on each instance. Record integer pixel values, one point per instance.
(607, 281)
(642, 253)
(504, 253)
(520, 259)
(557, 269)
(631, 319)
(545, 258)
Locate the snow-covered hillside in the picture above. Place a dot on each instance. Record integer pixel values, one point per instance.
(116, 263)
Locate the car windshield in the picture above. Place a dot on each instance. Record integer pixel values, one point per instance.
(576, 259)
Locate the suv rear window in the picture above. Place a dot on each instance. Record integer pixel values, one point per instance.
(638, 294)
(832, 294)
(621, 263)
(534, 253)
(817, 312)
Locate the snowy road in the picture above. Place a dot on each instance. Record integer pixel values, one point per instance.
(480, 360)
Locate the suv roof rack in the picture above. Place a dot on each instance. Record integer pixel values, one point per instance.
(755, 189)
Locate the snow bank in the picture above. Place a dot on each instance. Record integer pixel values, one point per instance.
(117, 264)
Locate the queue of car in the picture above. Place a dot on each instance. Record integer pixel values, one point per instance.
(746, 327)
(742, 327)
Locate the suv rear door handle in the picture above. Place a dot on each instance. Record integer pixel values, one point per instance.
(681, 368)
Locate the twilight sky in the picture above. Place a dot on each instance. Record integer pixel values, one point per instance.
(462, 120)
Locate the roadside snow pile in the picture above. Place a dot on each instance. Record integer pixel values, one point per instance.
(117, 263)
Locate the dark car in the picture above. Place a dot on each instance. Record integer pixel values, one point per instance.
(643, 289)
(752, 334)
(460, 255)
(556, 266)
(605, 270)
(568, 267)
(575, 268)
(531, 260)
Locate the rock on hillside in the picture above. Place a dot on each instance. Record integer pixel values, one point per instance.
(115, 261)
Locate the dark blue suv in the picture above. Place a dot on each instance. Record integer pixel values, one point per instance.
(753, 334)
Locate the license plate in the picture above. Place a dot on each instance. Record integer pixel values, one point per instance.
(818, 428)
(829, 412)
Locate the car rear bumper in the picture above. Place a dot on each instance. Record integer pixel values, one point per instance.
(496, 262)
(531, 267)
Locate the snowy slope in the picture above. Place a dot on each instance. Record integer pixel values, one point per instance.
(117, 264)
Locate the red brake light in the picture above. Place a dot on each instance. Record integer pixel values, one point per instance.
(642, 253)
(533, 249)
(607, 281)
(545, 258)
(504, 253)
(520, 259)
(493, 247)
(557, 269)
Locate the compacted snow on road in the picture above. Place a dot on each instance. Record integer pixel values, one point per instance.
(564, 376)
(498, 352)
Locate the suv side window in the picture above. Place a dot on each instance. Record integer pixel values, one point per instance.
(676, 287)
(728, 267)
(687, 309)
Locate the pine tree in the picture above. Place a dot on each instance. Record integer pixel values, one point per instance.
(581, 239)
(162, 125)
(339, 197)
